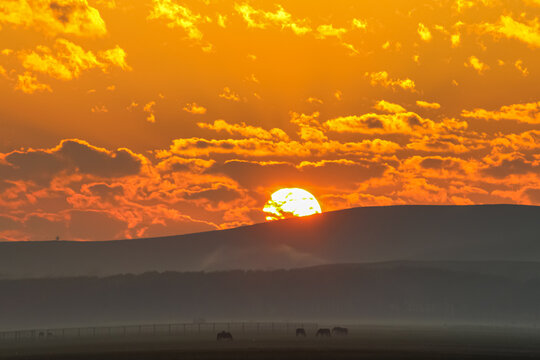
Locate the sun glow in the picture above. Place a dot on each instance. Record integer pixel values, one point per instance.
(291, 202)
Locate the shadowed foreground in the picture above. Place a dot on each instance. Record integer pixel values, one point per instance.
(364, 343)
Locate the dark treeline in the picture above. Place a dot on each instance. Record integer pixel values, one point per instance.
(352, 293)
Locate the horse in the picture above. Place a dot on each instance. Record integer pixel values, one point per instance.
(301, 332)
(323, 332)
(340, 331)
(224, 335)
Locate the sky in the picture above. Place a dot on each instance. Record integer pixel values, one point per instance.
(141, 118)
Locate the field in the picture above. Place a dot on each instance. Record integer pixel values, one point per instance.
(364, 342)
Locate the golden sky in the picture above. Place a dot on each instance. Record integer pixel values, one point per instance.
(136, 118)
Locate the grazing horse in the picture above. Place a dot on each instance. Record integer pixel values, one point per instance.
(340, 331)
(224, 335)
(323, 332)
(301, 332)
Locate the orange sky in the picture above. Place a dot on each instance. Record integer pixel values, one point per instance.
(131, 118)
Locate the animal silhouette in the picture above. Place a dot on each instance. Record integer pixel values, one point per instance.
(340, 331)
(224, 336)
(323, 332)
(301, 332)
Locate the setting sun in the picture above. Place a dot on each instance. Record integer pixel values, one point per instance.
(291, 202)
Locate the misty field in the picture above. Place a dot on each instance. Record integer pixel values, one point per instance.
(380, 342)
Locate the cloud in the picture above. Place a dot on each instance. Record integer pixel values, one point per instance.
(359, 23)
(228, 94)
(476, 64)
(382, 78)
(29, 84)
(424, 32)
(389, 107)
(54, 17)
(428, 105)
(116, 57)
(178, 16)
(521, 68)
(512, 165)
(528, 113)
(314, 100)
(71, 156)
(310, 128)
(398, 123)
(512, 29)
(259, 148)
(149, 109)
(69, 60)
(99, 109)
(246, 130)
(328, 30)
(193, 108)
(258, 18)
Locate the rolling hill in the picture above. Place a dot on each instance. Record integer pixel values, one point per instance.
(358, 235)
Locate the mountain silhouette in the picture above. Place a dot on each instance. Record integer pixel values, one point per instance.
(357, 235)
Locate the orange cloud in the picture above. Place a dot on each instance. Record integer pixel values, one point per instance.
(428, 105)
(329, 30)
(257, 18)
(510, 28)
(398, 123)
(193, 108)
(526, 113)
(73, 17)
(382, 78)
(522, 69)
(180, 16)
(70, 60)
(228, 94)
(389, 107)
(476, 64)
(149, 109)
(246, 130)
(424, 32)
(28, 84)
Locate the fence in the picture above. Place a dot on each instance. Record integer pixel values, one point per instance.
(177, 329)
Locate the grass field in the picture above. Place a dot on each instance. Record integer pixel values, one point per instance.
(364, 342)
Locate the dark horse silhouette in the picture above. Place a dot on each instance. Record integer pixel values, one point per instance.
(340, 331)
(301, 332)
(323, 332)
(224, 335)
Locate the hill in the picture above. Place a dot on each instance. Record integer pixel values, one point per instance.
(369, 234)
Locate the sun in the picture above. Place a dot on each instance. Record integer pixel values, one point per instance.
(291, 202)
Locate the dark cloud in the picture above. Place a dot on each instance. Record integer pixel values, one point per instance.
(509, 167)
(70, 156)
(61, 12)
(91, 160)
(253, 174)
(106, 191)
(217, 194)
